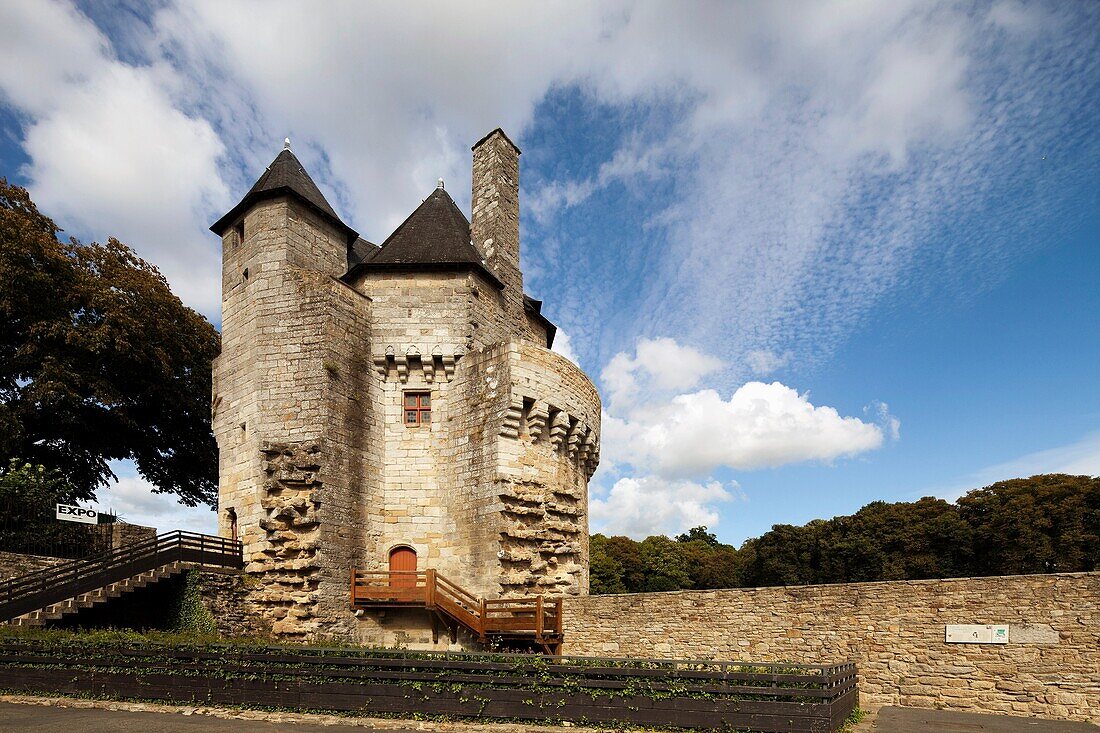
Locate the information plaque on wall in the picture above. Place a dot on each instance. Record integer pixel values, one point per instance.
(976, 634)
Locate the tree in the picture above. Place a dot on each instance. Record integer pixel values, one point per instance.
(1041, 524)
(665, 564)
(627, 554)
(99, 361)
(699, 534)
(710, 565)
(605, 572)
(28, 495)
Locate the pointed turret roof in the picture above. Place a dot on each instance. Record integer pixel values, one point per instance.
(284, 176)
(435, 236)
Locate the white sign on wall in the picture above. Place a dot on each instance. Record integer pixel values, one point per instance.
(976, 634)
(70, 513)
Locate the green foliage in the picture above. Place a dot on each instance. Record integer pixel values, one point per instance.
(99, 361)
(28, 494)
(188, 614)
(22, 483)
(1043, 524)
(699, 534)
(605, 572)
(622, 565)
(854, 718)
(1036, 525)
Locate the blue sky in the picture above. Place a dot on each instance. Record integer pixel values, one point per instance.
(813, 255)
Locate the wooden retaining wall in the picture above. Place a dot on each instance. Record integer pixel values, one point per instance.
(673, 693)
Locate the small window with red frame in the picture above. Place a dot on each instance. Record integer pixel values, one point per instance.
(418, 408)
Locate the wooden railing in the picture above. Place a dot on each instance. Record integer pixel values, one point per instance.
(42, 588)
(534, 616)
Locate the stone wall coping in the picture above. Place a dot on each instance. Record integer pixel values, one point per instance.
(925, 581)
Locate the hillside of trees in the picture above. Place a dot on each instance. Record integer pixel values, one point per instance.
(1041, 524)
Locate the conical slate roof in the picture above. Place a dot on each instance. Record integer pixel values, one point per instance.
(360, 251)
(285, 175)
(435, 236)
(436, 232)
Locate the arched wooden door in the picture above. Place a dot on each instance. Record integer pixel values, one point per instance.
(402, 560)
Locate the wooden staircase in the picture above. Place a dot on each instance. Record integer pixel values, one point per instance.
(530, 620)
(50, 594)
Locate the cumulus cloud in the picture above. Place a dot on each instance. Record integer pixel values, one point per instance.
(781, 118)
(658, 365)
(663, 446)
(890, 424)
(808, 157)
(759, 426)
(640, 507)
(131, 497)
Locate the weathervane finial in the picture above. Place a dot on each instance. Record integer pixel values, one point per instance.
(286, 144)
(439, 184)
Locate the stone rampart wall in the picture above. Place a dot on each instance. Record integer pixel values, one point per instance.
(14, 564)
(894, 631)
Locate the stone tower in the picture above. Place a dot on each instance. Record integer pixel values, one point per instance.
(402, 400)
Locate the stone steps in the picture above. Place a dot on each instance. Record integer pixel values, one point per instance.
(59, 610)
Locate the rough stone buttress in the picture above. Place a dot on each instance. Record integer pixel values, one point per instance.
(375, 400)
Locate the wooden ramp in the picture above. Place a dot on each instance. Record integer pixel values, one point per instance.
(532, 620)
(49, 594)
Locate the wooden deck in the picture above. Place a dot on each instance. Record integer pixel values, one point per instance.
(533, 619)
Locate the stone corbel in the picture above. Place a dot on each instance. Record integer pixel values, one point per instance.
(592, 459)
(509, 428)
(585, 447)
(536, 420)
(574, 440)
(558, 429)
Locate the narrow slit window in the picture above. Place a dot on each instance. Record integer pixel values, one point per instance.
(418, 408)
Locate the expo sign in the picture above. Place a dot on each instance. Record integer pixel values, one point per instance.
(70, 513)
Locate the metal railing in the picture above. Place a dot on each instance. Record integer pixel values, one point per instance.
(533, 615)
(43, 588)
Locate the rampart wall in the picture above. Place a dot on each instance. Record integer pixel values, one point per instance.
(894, 631)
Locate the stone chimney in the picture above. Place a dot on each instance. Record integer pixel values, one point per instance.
(495, 217)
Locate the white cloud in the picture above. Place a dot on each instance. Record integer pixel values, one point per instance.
(133, 500)
(562, 345)
(764, 362)
(782, 116)
(640, 507)
(890, 424)
(658, 365)
(110, 152)
(659, 441)
(759, 426)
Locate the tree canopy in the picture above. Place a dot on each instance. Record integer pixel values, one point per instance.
(1041, 524)
(99, 361)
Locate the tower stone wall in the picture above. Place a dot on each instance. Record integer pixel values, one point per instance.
(319, 472)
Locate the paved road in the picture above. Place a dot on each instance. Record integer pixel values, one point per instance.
(914, 720)
(43, 718)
